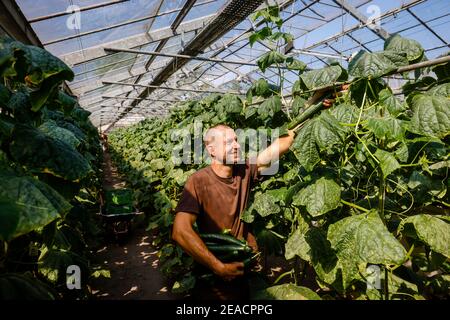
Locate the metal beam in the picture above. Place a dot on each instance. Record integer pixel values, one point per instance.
(251, 29)
(95, 52)
(308, 6)
(360, 25)
(184, 56)
(398, 31)
(427, 27)
(379, 31)
(114, 26)
(171, 88)
(95, 83)
(175, 24)
(229, 16)
(60, 14)
(149, 28)
(319, 54)
(15, 24)
(146, 99)
(224, 47)
(183, 13)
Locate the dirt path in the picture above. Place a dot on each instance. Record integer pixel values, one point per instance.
(134, 270)
(112, 178)
(133, 264)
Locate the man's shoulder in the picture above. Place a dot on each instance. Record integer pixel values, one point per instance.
(199, 174)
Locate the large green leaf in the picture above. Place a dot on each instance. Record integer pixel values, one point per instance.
(265, 204)
(294, 64)
(20, 105)
(375, 64)
(6, 58)
(51, 129)
(5, 94)
(38, 151)
(323, 77)
(269, 107)
(35, 203)
(6, 127)
(363, 239)
(305, 148)
(9, 218)
(442, 70)
(431, 115)
(327, 131)
(67, 102)
(388, 163)
(287, 291)
(440, 90)
(432, 231)
(42, 71)
(387, 99)
(262, 88)
(53, 264)
(312, 245)
(387, 128)
(320, 197)
(14, 286)
(66, 123)
(80, 114)
(157, 164)
(423, 187)
(261, 34)
(411, 48)
(345, 114)
(270, 58)
(320, 133)
(229, 103)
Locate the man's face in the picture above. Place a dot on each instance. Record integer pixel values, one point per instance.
(225, 147)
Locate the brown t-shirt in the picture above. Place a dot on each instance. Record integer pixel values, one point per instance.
(218, 202)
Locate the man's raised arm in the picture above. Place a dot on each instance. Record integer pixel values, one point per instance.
(281, 145)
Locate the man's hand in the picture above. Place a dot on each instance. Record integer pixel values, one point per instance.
(229, 271)
(328, 103)
(282, 144)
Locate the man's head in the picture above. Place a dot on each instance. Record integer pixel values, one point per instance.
(222, 145)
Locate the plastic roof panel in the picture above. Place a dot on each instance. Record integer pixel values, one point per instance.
(324, 19)
(33, 9)
(207, 9)
(98, 18)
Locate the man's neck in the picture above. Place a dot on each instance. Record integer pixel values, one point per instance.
(222, 170)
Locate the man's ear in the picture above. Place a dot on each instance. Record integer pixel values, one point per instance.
(211, 150)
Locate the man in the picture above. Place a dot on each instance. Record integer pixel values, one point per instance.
(215, 197)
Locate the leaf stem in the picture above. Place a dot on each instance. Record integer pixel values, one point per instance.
(357, 124)
(386, 284)
(354, 206)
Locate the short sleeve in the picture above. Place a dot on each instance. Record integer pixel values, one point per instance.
(189, 201)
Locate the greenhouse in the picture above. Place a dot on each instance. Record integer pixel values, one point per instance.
(202, 150)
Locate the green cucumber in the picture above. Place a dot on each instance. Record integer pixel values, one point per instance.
(250, 259)
(228, 256)
(213, 237)
(308, 113)
(229, 248)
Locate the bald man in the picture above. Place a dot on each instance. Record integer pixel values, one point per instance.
(214, 198)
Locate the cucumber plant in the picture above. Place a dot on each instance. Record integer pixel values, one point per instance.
(50, 157)
(365, 186)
